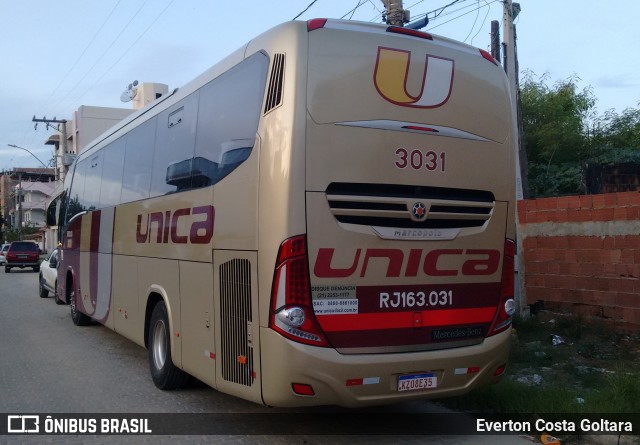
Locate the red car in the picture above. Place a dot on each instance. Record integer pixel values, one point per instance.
(22, 254)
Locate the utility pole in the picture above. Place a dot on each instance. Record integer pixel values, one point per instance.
(394, 13)
(48, 122)
(495, 40)
(510, 12)
(19, 195)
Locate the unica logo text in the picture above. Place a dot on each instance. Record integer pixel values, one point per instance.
(392, 73)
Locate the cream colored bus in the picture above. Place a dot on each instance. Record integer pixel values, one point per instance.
(324, 217)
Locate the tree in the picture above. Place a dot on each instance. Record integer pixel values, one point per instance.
(555, 119)
(562, 132)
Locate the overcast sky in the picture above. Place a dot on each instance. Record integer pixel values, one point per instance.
(56, 56)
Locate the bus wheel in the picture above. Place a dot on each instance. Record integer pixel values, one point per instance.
(55, 295)
(164, 373)
(78, 318)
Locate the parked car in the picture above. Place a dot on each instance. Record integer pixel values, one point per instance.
(3, 253)
(49, 276)
(22, 254)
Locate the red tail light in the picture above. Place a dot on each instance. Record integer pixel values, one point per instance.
(507, 305)
(314, 24)
(410, 32)
(291, 305)
(488, 56)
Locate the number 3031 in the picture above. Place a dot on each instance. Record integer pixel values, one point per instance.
(417, 160)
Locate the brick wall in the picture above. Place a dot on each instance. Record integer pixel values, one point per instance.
(582, 254)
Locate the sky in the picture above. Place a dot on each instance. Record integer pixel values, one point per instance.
(57, 56)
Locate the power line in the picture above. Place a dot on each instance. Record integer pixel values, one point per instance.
(466, 13)
(483, 21)
(103, 54)
(95, 35)
(353, 11)
(305, 10)
(126, 51)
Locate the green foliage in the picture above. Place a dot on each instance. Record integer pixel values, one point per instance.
(554, 179)
(554, 120)
(562, 133)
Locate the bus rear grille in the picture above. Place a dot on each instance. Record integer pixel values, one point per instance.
(409, 206)
(235, 316)
(276, 82)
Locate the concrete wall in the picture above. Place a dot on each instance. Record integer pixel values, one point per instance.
(582, 254)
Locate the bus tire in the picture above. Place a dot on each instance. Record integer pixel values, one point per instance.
(78, 318)
(164, 373)
(55, 296)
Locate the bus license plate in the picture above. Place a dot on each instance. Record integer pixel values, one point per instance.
(412, 382)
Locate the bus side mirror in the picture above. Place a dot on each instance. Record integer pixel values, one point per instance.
(51, 213)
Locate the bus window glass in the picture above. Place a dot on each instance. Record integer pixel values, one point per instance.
(136, 178)
(113, 161)
(93, 180)
(76, 194)
(228, 118)
(176, 135)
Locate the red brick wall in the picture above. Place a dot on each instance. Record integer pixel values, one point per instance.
(582, 254)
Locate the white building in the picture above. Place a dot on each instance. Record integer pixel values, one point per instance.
(34, 204)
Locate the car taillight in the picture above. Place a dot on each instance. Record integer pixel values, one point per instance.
(291, 305)
(507, 305)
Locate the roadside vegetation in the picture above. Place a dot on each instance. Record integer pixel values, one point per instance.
(563, 134)
(589, 368)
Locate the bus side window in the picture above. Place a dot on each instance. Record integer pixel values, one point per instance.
(139, 152)
(113, 160)
(76, 194)
(228, 116)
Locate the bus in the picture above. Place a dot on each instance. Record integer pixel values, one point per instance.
(326, 216)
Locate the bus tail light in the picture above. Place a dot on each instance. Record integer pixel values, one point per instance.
(488, 57)
(314, 24)
(507, 305)
(291, 305)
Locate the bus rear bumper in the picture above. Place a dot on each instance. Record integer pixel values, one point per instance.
(372, 379)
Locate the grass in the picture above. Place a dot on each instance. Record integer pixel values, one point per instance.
(594, 371)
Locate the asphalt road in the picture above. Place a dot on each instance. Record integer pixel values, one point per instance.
(50, 366)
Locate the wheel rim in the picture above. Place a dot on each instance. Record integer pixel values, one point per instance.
(159, 344)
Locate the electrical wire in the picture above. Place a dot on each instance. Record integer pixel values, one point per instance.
(126, 51)
(483, 21)
(474, 22)
(466, 13)
(84, 51)
(103, 54)
(305, 9)
(353, 11)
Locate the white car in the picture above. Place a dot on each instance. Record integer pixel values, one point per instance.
(3, 253)
(49, 276)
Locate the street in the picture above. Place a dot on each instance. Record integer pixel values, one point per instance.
(50, 366)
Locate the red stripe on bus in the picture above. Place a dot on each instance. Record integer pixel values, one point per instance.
(395, 320)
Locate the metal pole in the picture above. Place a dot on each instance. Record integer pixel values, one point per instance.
(395, 14)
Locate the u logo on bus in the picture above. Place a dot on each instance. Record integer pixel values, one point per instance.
(392, 75)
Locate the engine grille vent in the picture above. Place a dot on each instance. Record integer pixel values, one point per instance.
(235, 315)
(276, 83)
(408, 206)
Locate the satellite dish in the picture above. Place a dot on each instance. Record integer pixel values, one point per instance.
(130, 93)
